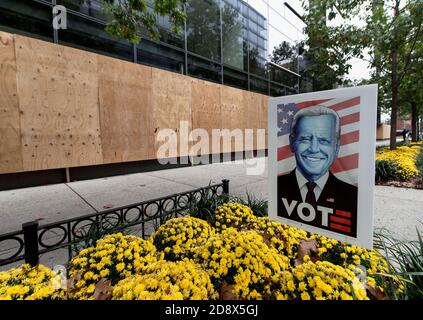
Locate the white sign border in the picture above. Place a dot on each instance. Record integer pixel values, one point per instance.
(366, 161)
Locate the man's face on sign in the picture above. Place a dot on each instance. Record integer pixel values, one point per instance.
(315, 145)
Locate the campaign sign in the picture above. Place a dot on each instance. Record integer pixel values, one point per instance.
(322, 162)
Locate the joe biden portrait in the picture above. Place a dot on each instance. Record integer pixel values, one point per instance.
(311, 193)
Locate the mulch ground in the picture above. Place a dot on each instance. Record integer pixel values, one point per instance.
(416, 183)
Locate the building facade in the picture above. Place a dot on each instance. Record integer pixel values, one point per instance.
(78, 103)
(230, 42)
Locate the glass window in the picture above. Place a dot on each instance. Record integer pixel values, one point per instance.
(277, 6)
(283, 77)
(156, 55)
(282, 50)
(282, 25)
(290, 91)
(92, 8)
(257, 63)
(235, 78)
(233, 47)
(259, 7)
(259, 85)
(306, 85)
(277, 90)
(27, 17)
(89, 35)
(166, 34)
(204, 69)
(203, 28)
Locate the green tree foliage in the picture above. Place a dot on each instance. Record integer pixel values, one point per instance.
(390, 30)
(127, 17)
(396, 32)
(331, 47)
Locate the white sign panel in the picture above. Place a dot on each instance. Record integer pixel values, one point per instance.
(322, 162)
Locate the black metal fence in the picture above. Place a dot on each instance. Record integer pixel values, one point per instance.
(33, 240)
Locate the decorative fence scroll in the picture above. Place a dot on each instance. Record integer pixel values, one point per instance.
(145, 217)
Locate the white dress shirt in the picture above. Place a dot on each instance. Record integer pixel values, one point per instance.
(320, 184)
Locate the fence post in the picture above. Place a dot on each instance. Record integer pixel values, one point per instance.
(225, 186)
(30, 230)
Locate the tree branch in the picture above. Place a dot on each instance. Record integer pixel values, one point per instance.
(408, 60)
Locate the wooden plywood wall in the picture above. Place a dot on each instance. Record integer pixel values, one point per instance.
(10, 139)
(172, 104)
(206, 108)
(233, 107)
(58, 98)
(126, 120)
(61, 107)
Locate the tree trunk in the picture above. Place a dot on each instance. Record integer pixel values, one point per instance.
(394, 87)
(394, 101)
(414, 119)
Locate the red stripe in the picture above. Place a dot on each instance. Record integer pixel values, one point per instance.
(284, 152)
(349, 137)
(345, 104)
(351, 118)
(340, 220)
(339, 227)
(345, 214)
(345, 163)
(310, 103)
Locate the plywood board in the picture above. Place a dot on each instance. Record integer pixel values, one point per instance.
(206, 108)
(233, 107)
(58, 97)
(171, 105)
(125, 91)
(10, 137)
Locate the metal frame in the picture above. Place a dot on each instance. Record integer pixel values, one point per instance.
(149, 215)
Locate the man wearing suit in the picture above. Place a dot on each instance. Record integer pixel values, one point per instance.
(311, 194)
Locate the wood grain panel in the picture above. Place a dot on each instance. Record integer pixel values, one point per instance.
(206, 107)
(58, 97)
(10, 136)
(171, 105)
(125, 91)
(233, 107)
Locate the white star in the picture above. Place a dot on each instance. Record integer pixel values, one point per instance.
(280, 110)
(290, 113)
(280, 129)
(285, 121)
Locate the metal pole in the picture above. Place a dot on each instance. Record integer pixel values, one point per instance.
(225, 186)
(55, 31)
(30, 230)
(221, 43)
(185, 42)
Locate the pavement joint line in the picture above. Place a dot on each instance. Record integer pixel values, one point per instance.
(185, 184)
(82, 198)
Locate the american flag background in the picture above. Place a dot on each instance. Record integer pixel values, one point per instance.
(346, 165)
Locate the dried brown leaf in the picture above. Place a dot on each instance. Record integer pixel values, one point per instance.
(226, 292)
(376, 293)
(103, 290)
(307, 248)
(71, 282)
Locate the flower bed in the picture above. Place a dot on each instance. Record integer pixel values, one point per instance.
(399, 164)
(26, 283)
(241, 256)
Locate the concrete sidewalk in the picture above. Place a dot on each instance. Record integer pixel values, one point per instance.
(397, 209)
